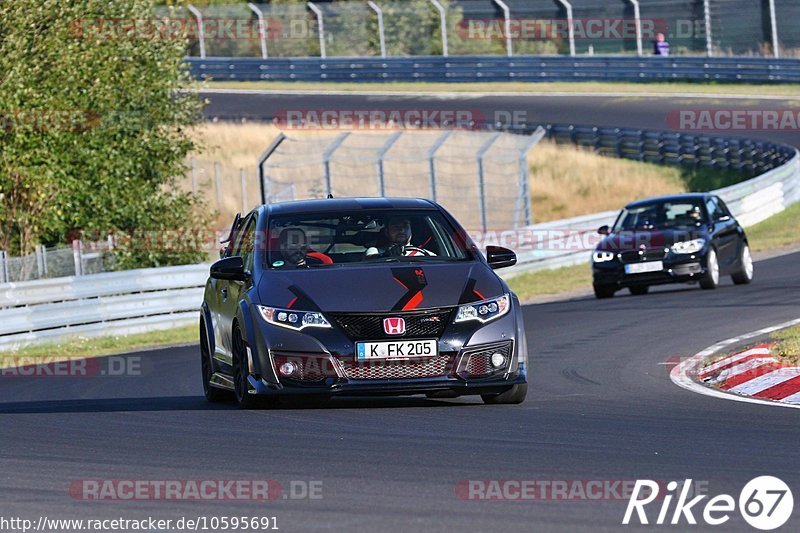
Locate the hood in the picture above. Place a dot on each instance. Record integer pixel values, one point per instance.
(653, 239)
(399, 287)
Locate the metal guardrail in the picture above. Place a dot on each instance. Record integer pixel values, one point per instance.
(118, 303)
(497, 68)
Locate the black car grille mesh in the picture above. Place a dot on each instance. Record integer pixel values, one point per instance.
(646, 255)
(419, 324)
(440, 365)
(480, 361)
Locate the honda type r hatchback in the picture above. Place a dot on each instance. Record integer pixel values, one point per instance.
(370, 296)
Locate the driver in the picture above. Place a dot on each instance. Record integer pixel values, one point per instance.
(397, 237)
(293, 245)
(696, 215)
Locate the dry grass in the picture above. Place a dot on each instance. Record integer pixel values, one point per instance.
(565, 181)
(568, 181)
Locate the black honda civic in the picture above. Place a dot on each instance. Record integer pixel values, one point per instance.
(369, 296)
(673, 239)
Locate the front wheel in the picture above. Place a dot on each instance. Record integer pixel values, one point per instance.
(603, 291)
(711, 278)
(516, 394)
(212, 394)
(639, 290)
(745, 273)
(241, 385)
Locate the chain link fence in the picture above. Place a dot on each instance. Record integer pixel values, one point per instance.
(363, 28)
(56, 262)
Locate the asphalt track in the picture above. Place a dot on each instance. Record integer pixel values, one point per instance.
(601, 407)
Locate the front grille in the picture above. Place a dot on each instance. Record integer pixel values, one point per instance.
(430, 323)
(646, 255)
(440, 365)
(479, 362)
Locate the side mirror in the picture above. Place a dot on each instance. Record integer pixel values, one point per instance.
(603, 230)
(229, 268)
(499, 257)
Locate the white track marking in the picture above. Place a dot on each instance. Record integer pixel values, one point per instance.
(451, 95)
(680, 373)
(738, 357)
(794, 398)
(755, 385)
(739, 369)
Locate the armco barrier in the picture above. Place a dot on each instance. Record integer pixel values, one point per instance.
(120, 303)
(498, 68)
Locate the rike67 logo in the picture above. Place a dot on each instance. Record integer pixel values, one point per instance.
(765, 503)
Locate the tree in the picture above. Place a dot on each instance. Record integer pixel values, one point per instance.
(95, 124)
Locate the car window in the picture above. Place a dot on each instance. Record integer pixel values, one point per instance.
(661, 214)
(244, 243)
(362, 237)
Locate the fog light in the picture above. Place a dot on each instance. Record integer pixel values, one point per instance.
(498, 360)
(288, 368)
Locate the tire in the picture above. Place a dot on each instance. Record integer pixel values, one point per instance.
(744, 275)
(710, 279)
(241, 386)
(212, 394)
(515, 395)
(603, 291)
(639, 290)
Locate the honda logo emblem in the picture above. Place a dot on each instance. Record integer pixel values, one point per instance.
(394, 326)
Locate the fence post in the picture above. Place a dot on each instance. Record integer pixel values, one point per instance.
(570, 26)
(443, 17)
(201, 33)
(381, 154)
(263, 182)
(326, 160)
(524, 177)
(381, 35)
(637, 20)
(77, 256)
(3, 267)
(262, 29)
(481, 182)
(244, 190)
(39, 253)
(774, 26)
(432, 160)
(321, 27)
(506, 25)
(217, 184)
(707, 17)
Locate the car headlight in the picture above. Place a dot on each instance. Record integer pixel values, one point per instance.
(602, 256)
(288, 318)
(688, 247)
(484, 311)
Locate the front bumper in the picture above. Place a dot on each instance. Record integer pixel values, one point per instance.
(685, 268)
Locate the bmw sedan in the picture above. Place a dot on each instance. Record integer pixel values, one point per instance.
(687, 238)
(368, 296)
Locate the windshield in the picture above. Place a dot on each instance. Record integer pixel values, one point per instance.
(348, 238)
(662, 215)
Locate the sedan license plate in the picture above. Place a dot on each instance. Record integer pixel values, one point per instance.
(640, 268)
(408, 349)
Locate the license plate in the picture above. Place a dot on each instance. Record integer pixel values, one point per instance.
(639, 268)
(396, 349)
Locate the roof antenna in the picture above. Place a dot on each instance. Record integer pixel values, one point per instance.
(330, 195)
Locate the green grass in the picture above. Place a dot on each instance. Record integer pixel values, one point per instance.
(679, 88)
(550, 282)
(788, 346)
(99, 346)
(777, 232)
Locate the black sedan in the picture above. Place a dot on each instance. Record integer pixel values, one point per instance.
(675, 239)
(359, 297)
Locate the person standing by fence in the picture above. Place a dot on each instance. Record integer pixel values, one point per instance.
(661, 46)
